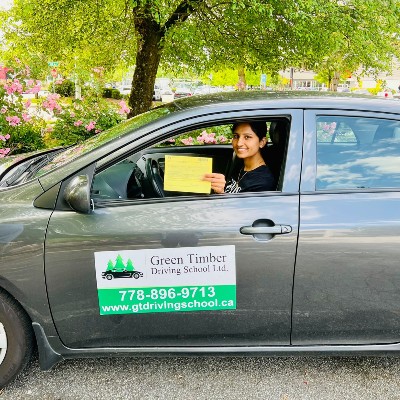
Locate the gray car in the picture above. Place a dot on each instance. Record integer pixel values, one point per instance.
(311, 267)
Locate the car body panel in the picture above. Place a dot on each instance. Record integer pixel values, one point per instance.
(347, 269)
(263, 287)
(22, 237)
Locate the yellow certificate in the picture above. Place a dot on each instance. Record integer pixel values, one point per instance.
(184, 174)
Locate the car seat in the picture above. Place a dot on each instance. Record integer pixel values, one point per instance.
(274, 155)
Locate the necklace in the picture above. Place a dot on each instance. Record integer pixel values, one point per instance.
(243, 172)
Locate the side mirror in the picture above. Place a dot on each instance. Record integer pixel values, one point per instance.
(77, 194)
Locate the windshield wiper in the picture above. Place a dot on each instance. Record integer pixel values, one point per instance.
(24, 173)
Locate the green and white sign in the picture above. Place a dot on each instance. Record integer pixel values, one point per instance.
(166, 280)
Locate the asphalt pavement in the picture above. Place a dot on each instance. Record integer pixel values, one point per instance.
(211, 378)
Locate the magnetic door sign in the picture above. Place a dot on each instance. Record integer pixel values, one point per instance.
(166, 280)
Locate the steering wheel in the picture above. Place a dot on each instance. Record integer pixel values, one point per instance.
(153, 173)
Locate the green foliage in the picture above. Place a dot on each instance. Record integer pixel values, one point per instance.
(82, 120)
(111, 93)
(65, 89)
(201, 35)
(26, 138)
(107, 93)
(20, 131)
(214, 135)
(115, 94)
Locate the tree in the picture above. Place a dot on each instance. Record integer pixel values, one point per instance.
(129, 265)
(203, 35)
(339, 36)
(119, 263)
(110, 265)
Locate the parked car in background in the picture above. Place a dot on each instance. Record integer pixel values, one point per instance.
(311, 267)
(182, 91)
(387, 94)
(157, 93)
(125, 90)
(362, 91)
(167, 95)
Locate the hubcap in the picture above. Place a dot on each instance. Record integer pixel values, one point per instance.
(3, 343)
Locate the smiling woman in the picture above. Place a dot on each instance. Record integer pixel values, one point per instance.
(248, 140)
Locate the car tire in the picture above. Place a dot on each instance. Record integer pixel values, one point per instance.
(16, 339)
(136, 275)
(109, 277)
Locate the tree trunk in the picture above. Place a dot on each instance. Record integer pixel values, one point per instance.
(147, 61)
(242, 79)
(335, 81)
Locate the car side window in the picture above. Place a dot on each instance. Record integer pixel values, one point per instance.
(357, 153)
(141, 175)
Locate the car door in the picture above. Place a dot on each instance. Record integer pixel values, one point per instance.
(347, 271)
(212, 274)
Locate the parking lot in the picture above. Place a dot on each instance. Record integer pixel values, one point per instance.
(212, 378)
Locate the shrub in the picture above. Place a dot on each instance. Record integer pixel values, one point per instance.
(84, 119)
(107, 93)
(115, 94)
(20, 129)
(65, 89)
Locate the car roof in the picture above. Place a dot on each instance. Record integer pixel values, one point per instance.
(290, 99)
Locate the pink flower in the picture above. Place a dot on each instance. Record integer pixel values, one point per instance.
(13, 121)
(78, 123)
(27, 70)
(51, 102)
(27, 104)
(124, 109)
(26, 117)
(188, 141)
(208, 138)
(97, 131)
(5, 137)
(222, 139)
(14, 87)
(72, 114)
(90, 125)
(4, 152)
(3, 110)
(34, 89)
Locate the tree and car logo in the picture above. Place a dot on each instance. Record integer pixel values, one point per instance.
(121, 270)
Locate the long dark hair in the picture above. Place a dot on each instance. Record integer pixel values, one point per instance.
(258, 127)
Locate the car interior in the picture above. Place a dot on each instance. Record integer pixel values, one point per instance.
(141, 175)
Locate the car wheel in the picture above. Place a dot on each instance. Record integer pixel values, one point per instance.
(136, 275)
(16, 339)
(109, 277)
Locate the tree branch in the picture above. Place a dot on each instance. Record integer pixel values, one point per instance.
(181, 13)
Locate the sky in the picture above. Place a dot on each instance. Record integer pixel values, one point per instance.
(5, 3)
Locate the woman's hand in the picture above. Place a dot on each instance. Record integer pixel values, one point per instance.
(217, 182)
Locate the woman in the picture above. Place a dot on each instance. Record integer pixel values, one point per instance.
(255, 176)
